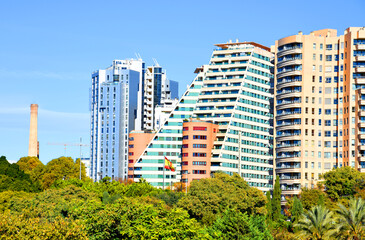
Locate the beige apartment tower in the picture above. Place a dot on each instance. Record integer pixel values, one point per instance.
(319, 107)
(33, 150)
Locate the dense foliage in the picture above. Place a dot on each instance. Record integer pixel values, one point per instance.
(49, 201)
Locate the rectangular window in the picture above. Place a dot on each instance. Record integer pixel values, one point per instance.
(185, 128)
(199, 154)
(200, 128)
(199, 145)
(199, 163)
(201, 137)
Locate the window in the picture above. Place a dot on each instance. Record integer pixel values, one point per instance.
(199, 154)
(200, 128)
(185, 163)
(327, 133)
(199, 163)
(201, 137)
(329, 47)
(199, 145)
(199, 172)
(185, 145)
(185, 128)
(327, 122)
(186, 137)
(185, 155)
(328, 58)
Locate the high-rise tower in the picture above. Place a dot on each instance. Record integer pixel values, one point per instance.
(318, 105)
(33, 150)
(115, 111)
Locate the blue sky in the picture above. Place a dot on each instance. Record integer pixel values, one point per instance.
(48, 50)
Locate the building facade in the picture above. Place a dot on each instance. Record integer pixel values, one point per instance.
(138, 141)
(114, 112)
(197, 146)
(318, 105)
(156, 90)
(233, 91)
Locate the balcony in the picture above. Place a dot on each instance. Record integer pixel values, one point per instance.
(288, 115)
(361, 147)
(362, 90)
(290, 191)
(289, 138)
(360, 47)
(289, 50)
(361, 157)
(289, 61)
(288, 126)
(288, 94)
(289, 73)
(362, 112)
(360, 80)
(289, 83)
(361, 135)
(288, 104)
(361, 124)
(360, 69)
(288, 145)
(360, 58)
(362, 102)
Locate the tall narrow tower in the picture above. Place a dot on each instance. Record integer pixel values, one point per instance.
(33, 142)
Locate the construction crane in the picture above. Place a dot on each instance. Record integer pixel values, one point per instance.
(69, 144)
(72, 144)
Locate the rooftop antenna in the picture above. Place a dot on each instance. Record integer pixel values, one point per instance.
(138, 56)
(155, 61)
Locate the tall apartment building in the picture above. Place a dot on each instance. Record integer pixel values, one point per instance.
(318, 105)
(114, 112)
(156, 90)
(233, 91)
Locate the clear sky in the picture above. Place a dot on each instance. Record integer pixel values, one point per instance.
(48, 50)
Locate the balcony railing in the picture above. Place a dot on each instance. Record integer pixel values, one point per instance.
(287, 102)
(288, 145)
(289, 156)
(290, 123)
(288, 166)
(289, 91)
(288, 134)
(289, 80)
(287, 113)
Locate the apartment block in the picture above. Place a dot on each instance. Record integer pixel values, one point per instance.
(197, 146)
(114, 112)
(318, 101)
(233, 92)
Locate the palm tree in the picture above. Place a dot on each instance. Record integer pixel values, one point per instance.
(351, 220)
(316, 224)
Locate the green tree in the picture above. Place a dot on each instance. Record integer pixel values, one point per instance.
(237, 225)
(342, 182)
(13, 178)
(317, 224)
(312, 197)
(352, 219)
(269, 205)
(28, 164)
(296, 210)
(276, 200)
(62, 168)
(209, 198)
